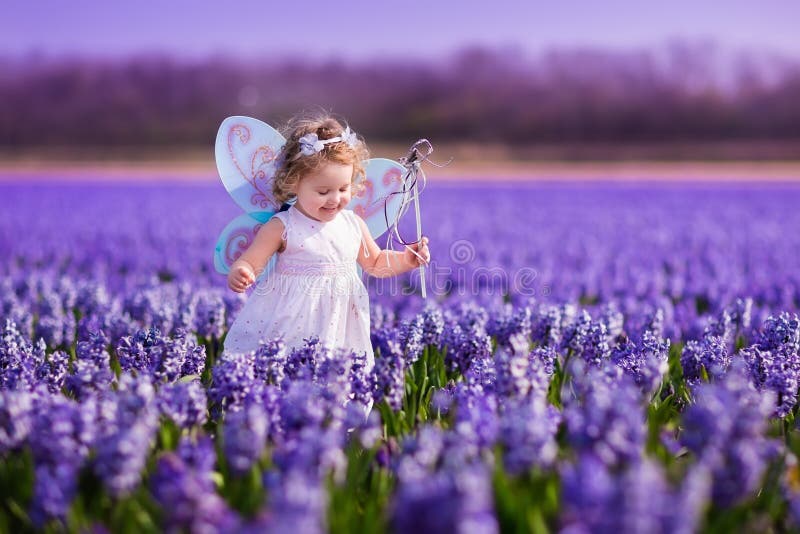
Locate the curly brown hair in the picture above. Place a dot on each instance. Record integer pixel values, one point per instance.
(290, 170)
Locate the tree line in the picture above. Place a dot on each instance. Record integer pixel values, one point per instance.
(676, 93)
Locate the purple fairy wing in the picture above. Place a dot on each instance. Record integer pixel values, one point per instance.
(236, 237)
(375, 203)
(246, 151)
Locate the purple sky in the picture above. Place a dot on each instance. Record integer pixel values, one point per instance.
(367, 28)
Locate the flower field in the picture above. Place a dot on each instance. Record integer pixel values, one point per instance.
(590, 358)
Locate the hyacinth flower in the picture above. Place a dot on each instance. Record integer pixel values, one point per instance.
(232, 381)
(19, 358)
(645, 362)
(707, 359)
(182, 484)
(725, 430)
(166, 359)
(269, 360)
(91, 371)
(54, 325)
(546, 325)
(463, 347)
(774, 361)
(122, 447)
(388, 375)
(634, 499)
(298, 502)
(510, 324)
(16, 412)
(604, 416)
(587, 339)
(527, 431)
(184, 403)
(440, 488)
(244, 436)
(59, 439)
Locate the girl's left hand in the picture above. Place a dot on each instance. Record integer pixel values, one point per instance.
(418, 253)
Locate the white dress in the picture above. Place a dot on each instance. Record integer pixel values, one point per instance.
(314, 290)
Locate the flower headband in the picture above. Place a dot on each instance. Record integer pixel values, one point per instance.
(310, 144)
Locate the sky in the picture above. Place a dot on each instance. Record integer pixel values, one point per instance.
(365, 29)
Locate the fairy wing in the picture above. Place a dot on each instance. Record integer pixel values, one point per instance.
(236, 237)
(246, 151)
(379, 201)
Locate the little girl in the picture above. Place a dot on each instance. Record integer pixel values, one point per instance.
(314, 289)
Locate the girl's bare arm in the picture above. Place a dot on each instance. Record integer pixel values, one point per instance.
(375, 263)
(267, 242)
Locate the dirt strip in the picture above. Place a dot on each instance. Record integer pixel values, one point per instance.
(154, 171)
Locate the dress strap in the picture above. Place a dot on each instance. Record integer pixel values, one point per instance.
(284, 218)
(357, 226)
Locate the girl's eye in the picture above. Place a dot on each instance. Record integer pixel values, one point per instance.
(322, 192)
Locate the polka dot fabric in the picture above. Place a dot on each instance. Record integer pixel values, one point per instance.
(314, 290)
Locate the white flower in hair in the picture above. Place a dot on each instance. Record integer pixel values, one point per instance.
(310, 144)
(349, 137)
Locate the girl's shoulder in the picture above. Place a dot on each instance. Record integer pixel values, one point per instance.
(352, 219)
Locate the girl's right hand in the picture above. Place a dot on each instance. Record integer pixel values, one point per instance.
(240, 278)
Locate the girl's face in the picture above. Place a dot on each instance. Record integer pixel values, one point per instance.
(324, 193)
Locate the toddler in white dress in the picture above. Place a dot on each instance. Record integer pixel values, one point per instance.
(314, 289)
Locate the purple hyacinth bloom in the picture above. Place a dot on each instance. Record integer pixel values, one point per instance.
(369, 430)
(315, 450)
(16, 410)
(782, 332)
(528, 433)
(635, 499)
(464, 347)
(458, 500)
(646, 363)
(412, 338)
(650, 319)
(140, 351)
(477, 425)
(774, 361)
(91, 371)
(122, 449)
(187, 498)
(604, 414)
(388, 374)
(19, 358)
(52, 321)
(53, 371)
(432, 326)
(360, 379)
(301, 364)
(269, 360)
(388, 380)
(232, 380)
(725, 429)
(776, 371)
(55, 486)
(59, 440)
(546, 326)
(709, 354)
(613, 319)
(244, 437)
(296, 413)
(209, 314)
(298, 503)
(522, 374)
(184, 403)
(588, 339)
(510, 324)
(199, 454)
